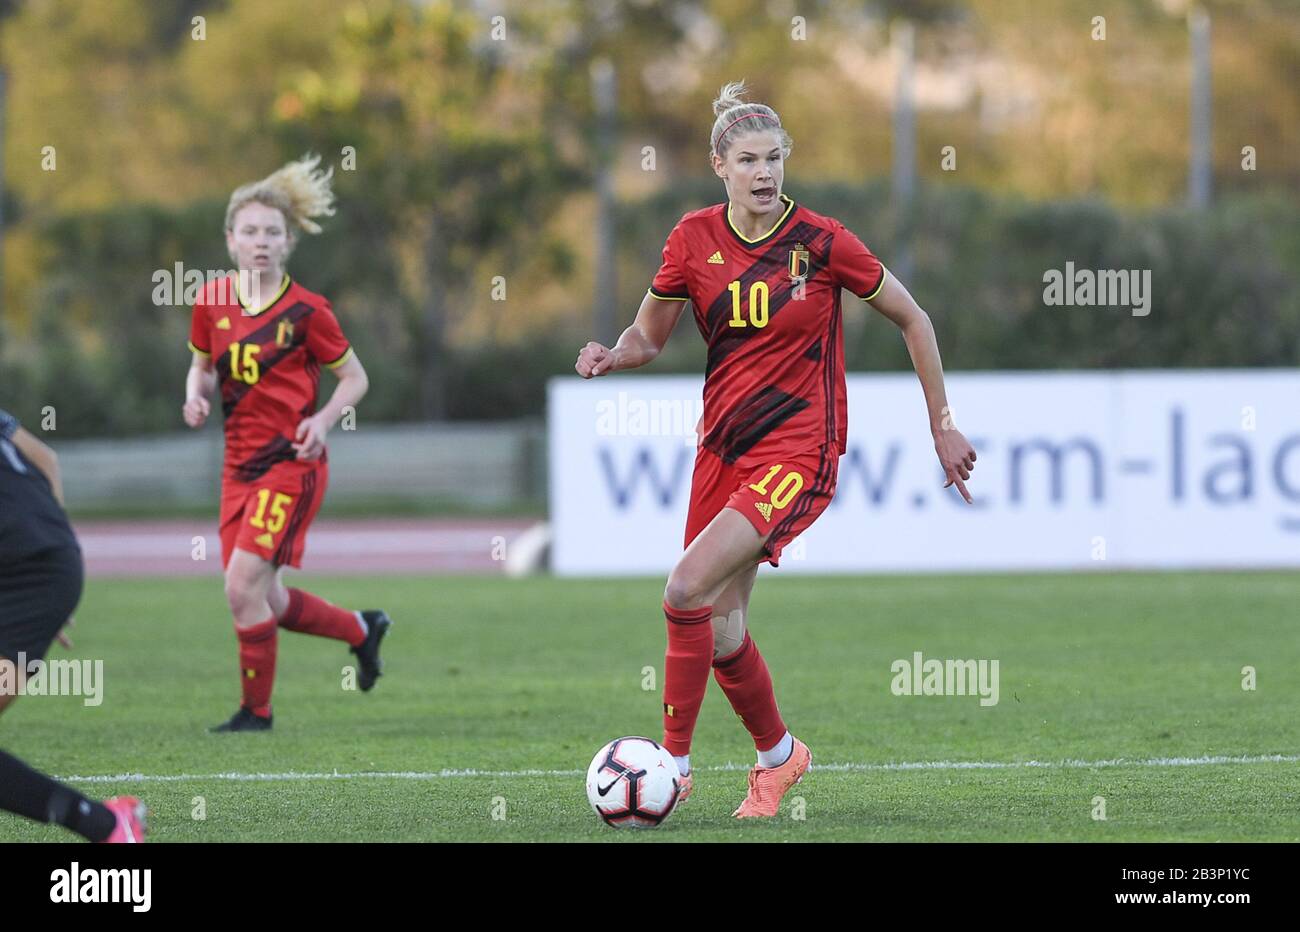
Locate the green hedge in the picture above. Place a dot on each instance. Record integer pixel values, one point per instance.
(1225, 288)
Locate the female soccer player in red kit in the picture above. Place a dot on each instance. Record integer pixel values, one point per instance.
(764, 276)
(263, 338)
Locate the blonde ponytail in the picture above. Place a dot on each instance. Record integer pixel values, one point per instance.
(731, 109)
(728, 97)
(299, 190)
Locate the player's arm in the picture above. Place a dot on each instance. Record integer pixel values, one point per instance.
(640, 343)
(352, 387)
(43, 458)
(200, 382)
(956, 455)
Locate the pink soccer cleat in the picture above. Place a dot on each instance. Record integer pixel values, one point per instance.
(768, 784)
(130, 814)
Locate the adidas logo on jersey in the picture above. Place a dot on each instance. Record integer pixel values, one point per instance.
(716, 258)
(223, 324)
(264, 540)
(764, 509)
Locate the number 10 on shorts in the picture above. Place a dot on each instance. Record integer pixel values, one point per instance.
(783, 493)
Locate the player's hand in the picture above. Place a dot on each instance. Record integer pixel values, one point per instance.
(594, 359)
(311, 438)
(957, 457)
(62, 636)
(196, 411)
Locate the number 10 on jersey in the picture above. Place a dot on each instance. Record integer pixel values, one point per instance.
(757, 305)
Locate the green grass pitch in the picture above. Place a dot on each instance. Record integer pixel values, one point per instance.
(1111, 680)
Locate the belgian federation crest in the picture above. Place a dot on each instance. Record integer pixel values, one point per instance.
(284, 333)
(798, 262)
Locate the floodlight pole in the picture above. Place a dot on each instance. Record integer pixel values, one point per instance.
(605, 94)
(1200, 164)
(902, 38)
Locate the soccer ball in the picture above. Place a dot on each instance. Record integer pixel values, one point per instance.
(633, 783)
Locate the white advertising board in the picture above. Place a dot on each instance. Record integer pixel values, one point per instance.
(1076, 470)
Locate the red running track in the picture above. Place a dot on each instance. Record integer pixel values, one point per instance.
(363, 547)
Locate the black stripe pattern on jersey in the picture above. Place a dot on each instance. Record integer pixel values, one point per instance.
(828, 370)
(233, 391)
(725, 339)
(259, 464)
(750, 421)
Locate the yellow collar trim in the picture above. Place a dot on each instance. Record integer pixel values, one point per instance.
(789, 206)
(284, 286)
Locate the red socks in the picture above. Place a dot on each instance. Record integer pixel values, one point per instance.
(310, 614)
(257, 665)
(686, 673)
(744, 677)
(306, 613)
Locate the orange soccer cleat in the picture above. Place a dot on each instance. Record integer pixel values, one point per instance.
(768, 784)
(684, 786)
(130, 815)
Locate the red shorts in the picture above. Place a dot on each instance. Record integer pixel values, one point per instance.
(270, 515)
(782, 497)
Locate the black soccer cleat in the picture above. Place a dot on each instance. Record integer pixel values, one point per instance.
(369, 666)
(244, 720)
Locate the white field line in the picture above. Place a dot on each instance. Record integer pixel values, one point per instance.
(851, 768)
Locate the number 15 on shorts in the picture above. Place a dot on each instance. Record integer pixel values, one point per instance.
(274, 521)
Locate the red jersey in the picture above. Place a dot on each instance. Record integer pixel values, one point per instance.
(268, 363)
(775, 374)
